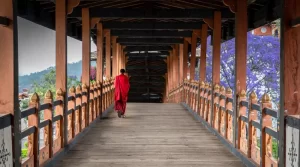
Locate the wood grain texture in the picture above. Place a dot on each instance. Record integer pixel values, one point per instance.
(61, 45)
(185, 58)
(241, 27)
(86, 46)
(99, 52)
(151, 135)
(202, 72)
(291, 58)
(108, 55)
(216, 48)
(7, 60)
(193, 56)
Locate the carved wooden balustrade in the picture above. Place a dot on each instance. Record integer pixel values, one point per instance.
(84, 105)
(253, 138)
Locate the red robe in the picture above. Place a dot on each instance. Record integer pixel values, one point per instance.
(121, 92)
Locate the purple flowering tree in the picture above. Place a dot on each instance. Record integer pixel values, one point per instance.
(263, 65)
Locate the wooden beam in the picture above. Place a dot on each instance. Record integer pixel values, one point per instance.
(153, 13)
(193, 57)
(150, 33)
(149, 54)
(108, 54)
(151, 26)
(156, 41)
(99, 52)
(150, 48)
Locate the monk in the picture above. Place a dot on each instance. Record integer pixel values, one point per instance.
(121, 93)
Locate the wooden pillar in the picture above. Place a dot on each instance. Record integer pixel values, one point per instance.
(61, 45)
(9, 59)
(202, 68)
(193, 56)
(108, 55)
(185, 58)
(86, 46)
(114, 55)
(171, 69)
(168, 76)
(216, 48)
(176, 66)
(290, 74)
(181, 68)
(99, 52)
(86, 49)
(9, 102)
(61, 60)
(118, 58)
(241, 55)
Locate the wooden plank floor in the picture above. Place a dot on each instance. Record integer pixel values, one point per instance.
(152, 135)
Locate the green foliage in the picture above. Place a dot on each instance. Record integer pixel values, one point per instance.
(25, 81)
(24, 104)
(24, 150)
(274, 148)
(48, 82)
(24, 153)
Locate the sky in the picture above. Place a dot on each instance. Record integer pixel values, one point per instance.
(37, 47)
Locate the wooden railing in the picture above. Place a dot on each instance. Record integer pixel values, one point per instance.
(61, 124)
(252, 136)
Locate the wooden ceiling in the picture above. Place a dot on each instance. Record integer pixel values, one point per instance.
(149, 25)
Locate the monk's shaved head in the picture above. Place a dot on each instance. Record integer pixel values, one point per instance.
(122, 71)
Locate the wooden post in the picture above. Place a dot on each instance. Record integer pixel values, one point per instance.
(181, 68)
(216, 55)
(193, 56)
(9, 102)
(99, 52)
(114, 55)
(241, 54)
(33, 120)
(171, 70)
(185, 58)
(290, 75)
(168, 76)
(202, 71)
(176, 67)
(61, 59)
(108, 55)
(86, 48)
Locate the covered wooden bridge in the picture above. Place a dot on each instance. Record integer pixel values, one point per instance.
(152, 40)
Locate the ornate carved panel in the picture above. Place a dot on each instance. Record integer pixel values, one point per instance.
(6, 148)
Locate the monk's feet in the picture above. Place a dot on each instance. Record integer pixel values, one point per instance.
(123, 116)
(119, 114)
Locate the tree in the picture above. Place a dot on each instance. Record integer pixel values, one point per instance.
(48, 82)
(263, 65)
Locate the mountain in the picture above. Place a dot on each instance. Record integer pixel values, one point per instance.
(73, 69)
